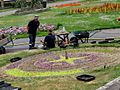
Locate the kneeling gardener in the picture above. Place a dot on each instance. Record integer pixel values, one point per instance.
(49, 41)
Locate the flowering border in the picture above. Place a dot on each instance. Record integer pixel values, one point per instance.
(67, 5)
(97, 9)
(20, 73)
(23, 29)
(57, 65)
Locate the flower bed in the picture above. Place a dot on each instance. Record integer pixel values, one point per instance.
(19, 30)
(13, 65)
(73, 60)
(13, 30)
(45, 27)
(97, 9)
(56, 64)
(67, 5)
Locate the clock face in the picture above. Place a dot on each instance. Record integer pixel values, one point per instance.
(56, 64)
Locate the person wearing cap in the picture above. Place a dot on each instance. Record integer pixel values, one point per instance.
(32, 30)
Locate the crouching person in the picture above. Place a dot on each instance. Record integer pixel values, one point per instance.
(49, 41)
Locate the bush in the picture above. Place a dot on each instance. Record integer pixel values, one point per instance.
(35, 4)
(20, 3)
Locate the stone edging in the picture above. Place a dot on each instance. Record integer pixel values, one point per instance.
(113, 85)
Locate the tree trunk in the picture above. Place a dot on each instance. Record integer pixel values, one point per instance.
(2, 3)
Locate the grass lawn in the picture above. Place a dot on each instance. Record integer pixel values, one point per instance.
(74, 22)
(68, 82)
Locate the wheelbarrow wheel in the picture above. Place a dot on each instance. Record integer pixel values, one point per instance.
(74, 41)
(2, 50)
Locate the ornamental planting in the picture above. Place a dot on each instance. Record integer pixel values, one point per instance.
(107, 7)
(56, 64)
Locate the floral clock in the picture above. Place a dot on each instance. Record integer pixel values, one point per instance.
(55, 64)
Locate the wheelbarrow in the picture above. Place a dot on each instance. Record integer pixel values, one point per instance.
(82, 35)
(4, 40)
(79, 35)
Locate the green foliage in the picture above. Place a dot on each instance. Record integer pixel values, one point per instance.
(21, 3)
(35, 3)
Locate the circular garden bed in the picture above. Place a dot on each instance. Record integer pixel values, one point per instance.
(58, 63)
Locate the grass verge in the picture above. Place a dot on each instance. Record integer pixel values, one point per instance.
(103, 76)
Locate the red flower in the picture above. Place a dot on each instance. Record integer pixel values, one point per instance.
(67, 5)
(102, 8)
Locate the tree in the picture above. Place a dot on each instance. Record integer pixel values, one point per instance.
(35, 2)
(2, 3)
(28, 3)
(21, 4)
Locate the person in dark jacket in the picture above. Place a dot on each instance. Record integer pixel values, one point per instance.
(49, 41)
(32, 30)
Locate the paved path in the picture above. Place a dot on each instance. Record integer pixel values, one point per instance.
(107, 33)
(22, 44)
(113, 85)
(7, 13)
(100, 35)
(48, 5)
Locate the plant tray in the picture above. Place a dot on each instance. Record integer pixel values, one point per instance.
(85, 77)
(15, 59)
